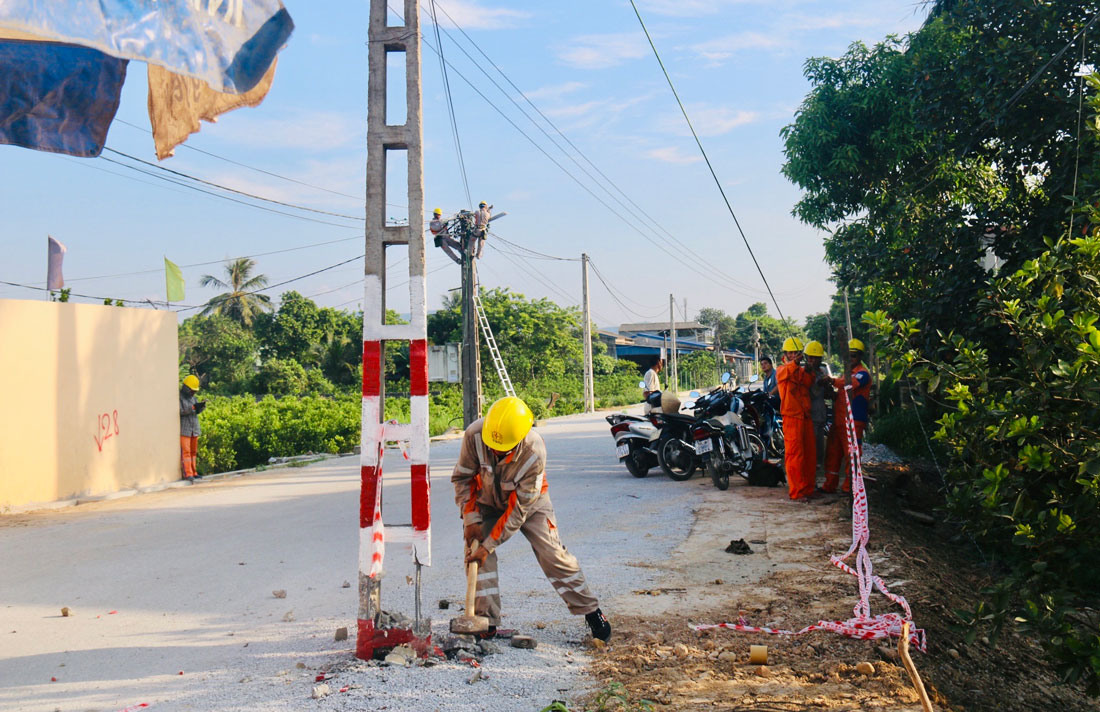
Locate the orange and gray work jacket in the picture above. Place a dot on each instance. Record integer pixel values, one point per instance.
(437, 225)
(482, 218)
(514, 484)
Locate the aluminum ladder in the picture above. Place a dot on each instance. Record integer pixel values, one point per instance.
(498, 362)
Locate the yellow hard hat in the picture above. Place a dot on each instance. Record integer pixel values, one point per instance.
(192, 382)
(792, 344)
(482, 204)
(814, 348)
(506, 424)
(437, 211)
(856, 345)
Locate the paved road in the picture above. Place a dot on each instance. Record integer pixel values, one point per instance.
(190, 573)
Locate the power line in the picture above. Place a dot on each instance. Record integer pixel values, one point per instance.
(218, 195)
(451, 111)
(534, 254)
(231, 190)
(279, 284)
(634, 205)
(614, 296)
(254, 168)
(707, 159)
(83, 296)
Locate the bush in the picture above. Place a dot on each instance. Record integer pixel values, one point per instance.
(1024, 437)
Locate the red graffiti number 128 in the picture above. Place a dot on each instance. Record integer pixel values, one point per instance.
(108, 427)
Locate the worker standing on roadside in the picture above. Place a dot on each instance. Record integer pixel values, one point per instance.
(859, 378)
(500, 488)
(651, 383)
(189, 427)
(481, 225)
(821, 389)
(798, 432)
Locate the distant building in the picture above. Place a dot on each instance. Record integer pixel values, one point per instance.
(688, 330)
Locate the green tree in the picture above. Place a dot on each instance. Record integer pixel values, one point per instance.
(773, 332)
(281, 377)
(220, 351)
(722, 323)
(241, 302)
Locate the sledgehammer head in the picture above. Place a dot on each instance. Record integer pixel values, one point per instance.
(469, 624)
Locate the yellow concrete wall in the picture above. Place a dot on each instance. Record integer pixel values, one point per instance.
(88, 400)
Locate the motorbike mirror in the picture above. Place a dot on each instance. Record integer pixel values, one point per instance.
(694, 394)
(641, 384)
(755, 378)
(689, 404)
(726, 377)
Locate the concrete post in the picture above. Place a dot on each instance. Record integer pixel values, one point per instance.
(374, 631)
(589, 382)
(673, 376)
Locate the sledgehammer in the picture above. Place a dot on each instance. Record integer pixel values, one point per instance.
(469, 622)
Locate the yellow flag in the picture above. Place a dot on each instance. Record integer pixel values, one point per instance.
(173, 281)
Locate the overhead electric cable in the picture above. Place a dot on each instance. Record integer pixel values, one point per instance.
(279, 284)
(534, 254)
(632, 204)
(706, 158)
(616, 298)
(451, 111)
(219, 186)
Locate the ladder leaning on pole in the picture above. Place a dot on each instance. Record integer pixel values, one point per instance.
(498, 362)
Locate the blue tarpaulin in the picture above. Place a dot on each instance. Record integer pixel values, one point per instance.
(56, 97)
(229, 44)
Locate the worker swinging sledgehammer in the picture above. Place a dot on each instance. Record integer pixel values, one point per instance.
(500, 488)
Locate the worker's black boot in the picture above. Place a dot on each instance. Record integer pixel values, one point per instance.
(598, 624)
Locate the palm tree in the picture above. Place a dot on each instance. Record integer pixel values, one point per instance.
(242, 302)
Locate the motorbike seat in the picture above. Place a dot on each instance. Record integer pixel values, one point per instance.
(680, 417)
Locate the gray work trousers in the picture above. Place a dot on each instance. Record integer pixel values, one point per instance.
(561, 567)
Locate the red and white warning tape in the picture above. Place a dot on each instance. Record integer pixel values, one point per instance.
(378, 530)
(862, 626)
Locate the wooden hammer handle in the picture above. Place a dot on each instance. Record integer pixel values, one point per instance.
(471, 581)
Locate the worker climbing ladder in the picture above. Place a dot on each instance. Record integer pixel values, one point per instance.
(498, 362)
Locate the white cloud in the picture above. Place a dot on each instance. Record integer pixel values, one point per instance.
(725, 47)
(690, 8)
(709, 120)
(301, 130)
(803, 23)
(672, 154)
(602, 51)
(470, 15)
(555, 91)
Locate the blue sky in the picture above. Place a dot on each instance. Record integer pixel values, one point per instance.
(736, 63)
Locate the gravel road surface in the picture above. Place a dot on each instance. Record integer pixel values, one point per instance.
(172, 605)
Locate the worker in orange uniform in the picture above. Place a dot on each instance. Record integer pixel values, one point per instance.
(500, 488)
(800, 457)
(189, 427)
(836, 453)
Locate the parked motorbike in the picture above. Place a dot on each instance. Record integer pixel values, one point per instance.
(636, 442)
(762, 412)
(724, 442)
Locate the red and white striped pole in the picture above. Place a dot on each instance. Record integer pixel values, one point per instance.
(374, 631)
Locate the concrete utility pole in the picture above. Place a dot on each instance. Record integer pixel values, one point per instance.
(471, 344)
(589, 382)
(376, 630)
(673, 376)
(828, 334)
(756, 343)
(848, 314)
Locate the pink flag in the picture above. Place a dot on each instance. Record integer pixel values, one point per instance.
(56, 254)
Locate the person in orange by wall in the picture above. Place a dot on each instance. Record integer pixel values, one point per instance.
(189, 427)
(836, 453)
(800, 458)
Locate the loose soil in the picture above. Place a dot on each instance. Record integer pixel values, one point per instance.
(787, 582)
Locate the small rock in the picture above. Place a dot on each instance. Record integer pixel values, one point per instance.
(727, 657)
(321, 691)
(466, 656)
(598, 644)
(289, 616)
(488, 647)
(65, 613)
(281, 593)
(763, 671)
(444, 604)
(524, 641)
(887, 653)
(246, 678)
(449, 642)
(738, 547)
(717, 582)
(401, 655)
(680, 650)
(865, 668)
(953, 653)
(540, 626)
(475, 677)
(341, 634)
(300, 666)
(346, 584)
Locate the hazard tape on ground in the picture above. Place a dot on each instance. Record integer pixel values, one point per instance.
(862, 625)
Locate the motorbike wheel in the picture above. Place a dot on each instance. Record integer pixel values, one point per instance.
(676, 459)
(720, 480)
(758, 449)
(638, 462)
(777, 446)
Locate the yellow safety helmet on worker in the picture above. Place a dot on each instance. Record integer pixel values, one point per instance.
(507, 424)
(856, 345)
(437, 211)
(192, 382)
(814, 348)
(792, 344)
